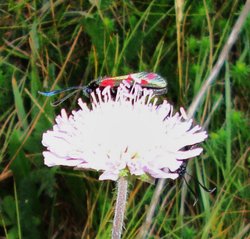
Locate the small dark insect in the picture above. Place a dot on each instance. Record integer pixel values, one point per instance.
(147, 80)
(182, 170)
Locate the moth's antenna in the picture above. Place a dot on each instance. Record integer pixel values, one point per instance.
(58, 102)
(192, 191)
(55, 92)
(205, 188)
(182, 171)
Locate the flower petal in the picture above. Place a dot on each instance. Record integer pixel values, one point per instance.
(129, 132)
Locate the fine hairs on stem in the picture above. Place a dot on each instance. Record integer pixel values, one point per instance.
(121, 200)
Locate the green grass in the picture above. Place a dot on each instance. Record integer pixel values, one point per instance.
(48, 45)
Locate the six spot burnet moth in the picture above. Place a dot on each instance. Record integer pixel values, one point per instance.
(147, 80)
(182, 170)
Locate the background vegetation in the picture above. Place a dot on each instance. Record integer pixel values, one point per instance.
(56, 44)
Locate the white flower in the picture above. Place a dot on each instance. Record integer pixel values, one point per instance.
(125, 132)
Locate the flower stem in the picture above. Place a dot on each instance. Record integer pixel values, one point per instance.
(122, 188)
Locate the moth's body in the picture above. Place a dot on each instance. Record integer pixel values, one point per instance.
(148, 80)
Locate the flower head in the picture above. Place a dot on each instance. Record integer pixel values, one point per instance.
(129, 131)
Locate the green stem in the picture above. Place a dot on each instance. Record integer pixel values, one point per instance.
(122, 188)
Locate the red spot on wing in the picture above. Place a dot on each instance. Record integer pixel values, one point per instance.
(129, 79)
(144, 82)
(107, 82)
(151, 76)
